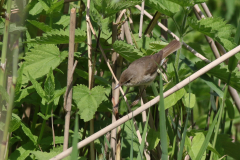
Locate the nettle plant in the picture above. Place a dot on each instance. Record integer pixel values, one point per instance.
(199, 121)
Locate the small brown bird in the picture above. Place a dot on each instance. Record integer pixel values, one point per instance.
(143, 71)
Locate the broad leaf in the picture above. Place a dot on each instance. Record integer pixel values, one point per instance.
(163, 6)
(44, 155)
(40, 59)
(186, 3)
(173, 98)
(88, 100)
(40, 25)
(55, 7)
(59, 37)
(64, 20)
(153, 138)
(127, 51)
(189, 103)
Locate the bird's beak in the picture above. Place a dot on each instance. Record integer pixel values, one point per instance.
(117, 86)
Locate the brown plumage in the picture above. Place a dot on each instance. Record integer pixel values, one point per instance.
(144, 70)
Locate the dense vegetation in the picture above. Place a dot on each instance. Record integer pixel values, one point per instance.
(201, 120)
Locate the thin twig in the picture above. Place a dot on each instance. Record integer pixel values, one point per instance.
(150, 103)
(141, 20)
(68, 94)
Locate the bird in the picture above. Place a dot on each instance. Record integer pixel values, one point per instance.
(143, 71)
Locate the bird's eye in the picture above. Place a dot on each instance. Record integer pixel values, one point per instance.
(128, 81)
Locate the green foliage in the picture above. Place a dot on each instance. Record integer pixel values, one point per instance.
(40, 59)
(166, 7)
(186, 3)
(15, 123)
(174, 98)
(59, 37)
(223, 73)
(215, 28)
(40, 25)
(88, 101)
(153, 138)
(127, 51)
(189, 100)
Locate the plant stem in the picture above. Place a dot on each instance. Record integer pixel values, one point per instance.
(11, 102)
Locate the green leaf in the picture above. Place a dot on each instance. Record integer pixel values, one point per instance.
(44, 5)
(215, 28)
(28, 133)
(64, 20)
(108, 8)
(13, 28)
(38, 8)
(222, 73)
(24, 93)
(55, 7)
(49, 140)
(38, 87)
(58, 93)
(44, 155)
(59, 37)
(197, 142)
(15, 123)
(127, 51)
(49, 86)
(22, 152)
(88, 100)
(166, 7)
(186, 3)
(40, 25)
(40, 59)
(157, 45)
(230, 109)
(45, 117)
(192, 100)
(153, 138)
(232, 63)
(173, 98)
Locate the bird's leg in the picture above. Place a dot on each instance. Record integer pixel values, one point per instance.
(138, 97)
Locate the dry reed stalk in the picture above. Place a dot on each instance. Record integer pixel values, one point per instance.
(68, 94)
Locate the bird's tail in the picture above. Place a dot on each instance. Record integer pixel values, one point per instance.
(170, 48)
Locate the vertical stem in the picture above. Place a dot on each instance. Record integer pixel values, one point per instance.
(141, 20)
(90, 75)
(70, 77)
(11, 102)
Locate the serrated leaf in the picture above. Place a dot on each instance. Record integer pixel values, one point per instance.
(49, 86)
(189, 103)
(88, 100)
(222, 73)
(108, 8)
(127, 51)
(186, 3)
(15, 123)
(45, 6)
(22, 152)
(166, 7)
(215, 28)
(58, 93)
(173, 98)
(59, 37)
(40, 59)
(40, 25)
(28, 133)
(38, 87)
